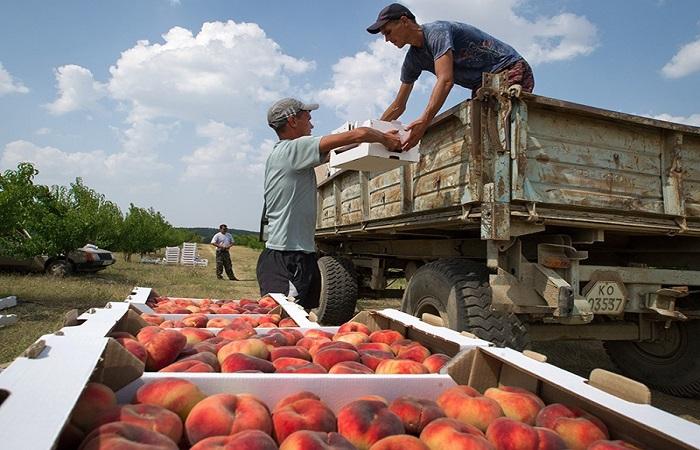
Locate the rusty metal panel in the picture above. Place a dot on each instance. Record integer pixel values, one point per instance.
(690, 157)
(326, 206)
(350, 198)
(581, 160)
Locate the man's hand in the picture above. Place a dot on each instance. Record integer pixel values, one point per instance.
(417, 130)
(392, 141)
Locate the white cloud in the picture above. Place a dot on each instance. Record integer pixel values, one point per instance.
(77, 90)
(545, 39)
(365, 83)
(8, 85)
(227, 72)
(685, 62)
(693, 119)
(42, 131)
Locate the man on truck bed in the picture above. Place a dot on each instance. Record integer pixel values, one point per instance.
(455, 52)
(288, 264)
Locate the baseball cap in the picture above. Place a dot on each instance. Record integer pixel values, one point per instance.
(391, 12)
(278, 113)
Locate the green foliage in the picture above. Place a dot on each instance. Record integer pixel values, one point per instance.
(250, 240)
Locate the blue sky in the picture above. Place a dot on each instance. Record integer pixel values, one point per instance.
(162, 103)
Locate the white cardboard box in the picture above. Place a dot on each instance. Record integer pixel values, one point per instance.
(373, 157)
(37, 394)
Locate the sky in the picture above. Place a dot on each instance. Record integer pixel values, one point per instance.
(162, 103)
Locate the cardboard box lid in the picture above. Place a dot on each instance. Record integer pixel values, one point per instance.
(372, 158)
(40, 392)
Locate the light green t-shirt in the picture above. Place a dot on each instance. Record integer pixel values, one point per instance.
(290, 194)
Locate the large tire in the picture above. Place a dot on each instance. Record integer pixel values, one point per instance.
(671, 365)
(59, 268)
(338, 291)
(458, 291)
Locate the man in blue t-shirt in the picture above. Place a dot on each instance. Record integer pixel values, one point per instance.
(288, 264)
(454, 52)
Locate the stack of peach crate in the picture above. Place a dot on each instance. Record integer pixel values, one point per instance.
(384, 380)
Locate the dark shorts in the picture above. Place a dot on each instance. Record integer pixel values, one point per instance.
(521, 73)
(277, 268)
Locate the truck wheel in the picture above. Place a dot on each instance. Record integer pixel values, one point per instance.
(338, 291)
(458, 291)
(671, 365)
(59, 268)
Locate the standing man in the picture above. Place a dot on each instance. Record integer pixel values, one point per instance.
(223, 241)
(288, 263)
(454, 52)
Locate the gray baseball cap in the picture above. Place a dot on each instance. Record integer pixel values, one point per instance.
(278, 113)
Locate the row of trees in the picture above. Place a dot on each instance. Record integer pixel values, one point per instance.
(37, 219)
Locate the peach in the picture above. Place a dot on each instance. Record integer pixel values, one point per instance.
(227, 414)
(291, 398)
(364, 422)
(163, 348)
(399, 442)
(435, 362)
(196, 335)
(351, 337)
(205, 347)
(237, 331)
(401, 344)
(252, 347)
(218, 322)
(266, 324)
(354, 326)
(316, 440)
(274, 318)
(190, 365)
(152, 417)
(94, 399)
(304, 414)
(375, 346)
(195, 320)
(236, 362)
(287, 322)
(217, 341)
(329, 356)
(153, 319)
(415, 413)
(548, 416)
(516, 403)
(206, 357)
(350, 367)
(506, 433)
(288, 361)
(416, 353)
(372, 358)
(385, 336)
(446, 433)
(468, 406)
(134, 347)
(175, 394)
(168, 324)
(332, 344)
(306, 368)
(275, 340)
(293, 351)
(146, 333)
(267, 302)
(243, 440)
(116, 435)
(311, 342)
(400, 366)
(549, 440)
(578, 433)
(316, 333)
(611, 445)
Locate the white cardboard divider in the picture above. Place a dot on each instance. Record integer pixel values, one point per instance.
(139, 295)
(645, 415)
(271, 387)
(43, 390)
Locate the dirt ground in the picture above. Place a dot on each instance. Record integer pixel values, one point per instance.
(581, 357)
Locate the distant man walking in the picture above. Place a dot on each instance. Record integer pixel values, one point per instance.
(288, 263)
(454, 52)
(223, 241)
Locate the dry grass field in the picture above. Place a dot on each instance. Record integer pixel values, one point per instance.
(43, 302)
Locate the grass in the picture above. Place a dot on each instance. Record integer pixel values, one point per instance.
(43, 301)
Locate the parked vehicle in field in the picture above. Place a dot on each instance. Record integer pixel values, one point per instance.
(89, 258)
(528, 219)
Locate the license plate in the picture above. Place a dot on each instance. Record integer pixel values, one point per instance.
(606, 297)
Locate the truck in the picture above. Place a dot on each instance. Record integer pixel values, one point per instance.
(529, 218)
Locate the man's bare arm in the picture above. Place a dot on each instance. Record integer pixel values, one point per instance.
(330, 142)
(398, 106)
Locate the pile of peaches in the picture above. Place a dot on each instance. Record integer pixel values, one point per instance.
(173, 413)
(172, 305)
(238, 347)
